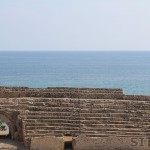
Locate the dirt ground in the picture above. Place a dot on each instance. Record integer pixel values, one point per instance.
(6, 144)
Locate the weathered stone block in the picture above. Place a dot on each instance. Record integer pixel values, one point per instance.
(47, 143)
(111, 143)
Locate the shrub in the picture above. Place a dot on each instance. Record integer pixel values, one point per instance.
(2, 127)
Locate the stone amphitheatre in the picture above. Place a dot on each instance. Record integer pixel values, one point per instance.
(75, 118)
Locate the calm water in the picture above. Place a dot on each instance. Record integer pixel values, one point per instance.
(127, 70)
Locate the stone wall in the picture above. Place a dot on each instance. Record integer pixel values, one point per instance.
(95, 118)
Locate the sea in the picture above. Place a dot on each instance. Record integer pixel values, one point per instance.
(92, 69)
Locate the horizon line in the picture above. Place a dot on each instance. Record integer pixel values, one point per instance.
(74, 50)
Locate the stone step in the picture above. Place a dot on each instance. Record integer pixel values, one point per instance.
(42, 120)
(77, 117)
(52, 109)
(83, 110)
(133, 116)
(60, 89)
(55, 118)
(128, 125)
(36, 128)
(29, 135)
(11, 94)
(86, 121)
(97, 135)
(92, 90)
(58, 133)
(88, 114)
(50, 126)
(114, 129)
(89, 120)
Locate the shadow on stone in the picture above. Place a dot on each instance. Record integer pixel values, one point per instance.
(8, 144)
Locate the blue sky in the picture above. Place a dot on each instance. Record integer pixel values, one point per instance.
(74, 25)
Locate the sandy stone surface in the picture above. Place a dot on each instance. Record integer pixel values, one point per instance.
(47, 143)
(6, 144)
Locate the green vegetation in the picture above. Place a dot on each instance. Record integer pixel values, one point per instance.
(2, 127)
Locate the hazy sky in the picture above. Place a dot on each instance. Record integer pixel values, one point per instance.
(74, 24)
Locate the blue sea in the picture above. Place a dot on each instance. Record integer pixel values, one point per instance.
(127, 70)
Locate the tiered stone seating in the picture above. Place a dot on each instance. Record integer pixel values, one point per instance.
(94, 118)
(7, 92)
(93, 113)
